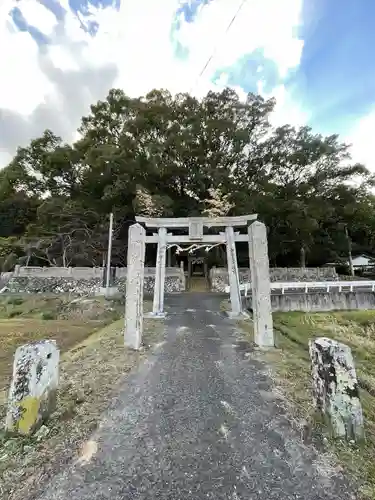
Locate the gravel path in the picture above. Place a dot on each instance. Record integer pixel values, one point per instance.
(198, 420)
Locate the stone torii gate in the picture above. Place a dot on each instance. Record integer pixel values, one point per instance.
(259, 268)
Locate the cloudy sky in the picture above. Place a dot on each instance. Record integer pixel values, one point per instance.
(314, 56)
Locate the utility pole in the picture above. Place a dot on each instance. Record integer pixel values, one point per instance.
(109, 251)
(349, 241)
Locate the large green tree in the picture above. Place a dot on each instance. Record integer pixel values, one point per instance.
(162, 155)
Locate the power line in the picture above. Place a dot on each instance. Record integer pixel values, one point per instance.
(216, 48)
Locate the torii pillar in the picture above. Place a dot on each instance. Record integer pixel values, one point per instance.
(233, 275)
(158, 303)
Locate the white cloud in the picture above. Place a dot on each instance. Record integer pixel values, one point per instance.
(19, 62)
(286, 110)
(269, 24)
(42, 89)
(361, 137)
(133, 49)
(37, 15)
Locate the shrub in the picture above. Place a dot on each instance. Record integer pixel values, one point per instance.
(14, 313)
(48, 315)
(15, 301)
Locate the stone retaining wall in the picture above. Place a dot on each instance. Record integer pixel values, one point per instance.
(219, 276)
(77, 272)
(48, 284)
(85, 281)
(288, 274)
(320, 301)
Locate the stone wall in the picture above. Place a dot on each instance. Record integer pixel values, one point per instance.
(49, 284)
(320, 301)
(219, 276)
(174, 283)
(287, 274)
(85, 281)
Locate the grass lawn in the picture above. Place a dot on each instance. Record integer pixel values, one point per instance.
(93, 364)
(291, 367)
(31, 318)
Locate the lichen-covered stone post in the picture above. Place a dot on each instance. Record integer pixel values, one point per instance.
(32, 396)
(260, 285)
(158, 303)
(134, 286)
(234, 279)
(335, 387)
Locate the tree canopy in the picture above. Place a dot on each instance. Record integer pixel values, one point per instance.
(166, 155)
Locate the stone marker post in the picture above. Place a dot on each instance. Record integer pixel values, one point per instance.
(158, 303)
(260, 285)
(335, 387)
(32, 396)
(134, 286)
(234, 279)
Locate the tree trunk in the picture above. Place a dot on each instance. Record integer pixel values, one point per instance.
(302, 257)
(64, 258)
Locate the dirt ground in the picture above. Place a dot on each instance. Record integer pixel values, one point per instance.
(94, 361)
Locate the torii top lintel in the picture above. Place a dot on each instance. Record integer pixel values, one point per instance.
(157, 222)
